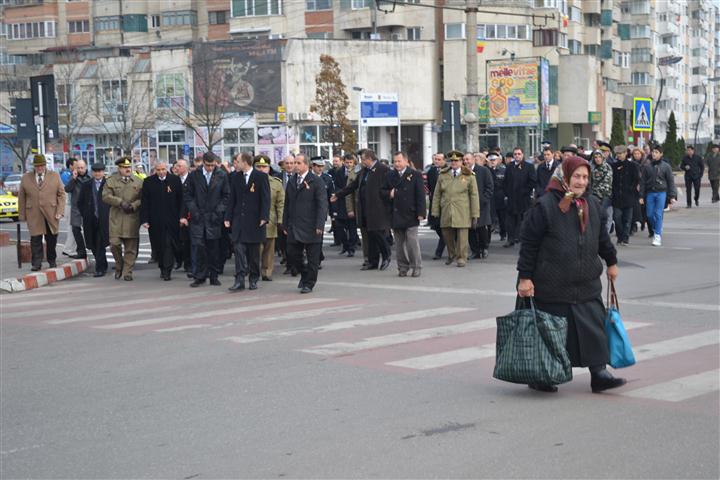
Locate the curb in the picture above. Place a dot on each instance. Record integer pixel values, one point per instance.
(46, 277)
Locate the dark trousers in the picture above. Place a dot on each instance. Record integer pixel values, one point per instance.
(247, 261)
(714, 185)
(479, 238)
(165, 251)
(281, 244)
(440, 247)
(501, 214)
(36, 247)
(80, 242)
(378, 246)
(346, 229)
(623, 221)
(513, 225)
(689, 184)
(183, 253)
(336, 231)
(309, 270)
(207, 261)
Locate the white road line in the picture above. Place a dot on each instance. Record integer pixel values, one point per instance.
(684, 306)
(23, 299)
(307, 314)
(363, 322)
(98, 305)
(462, 355)
(154, 310)
(679, 389)
(182, 328)
(651, 351)
(400, 338)
(213, 313)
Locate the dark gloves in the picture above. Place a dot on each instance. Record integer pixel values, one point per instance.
(127, 208)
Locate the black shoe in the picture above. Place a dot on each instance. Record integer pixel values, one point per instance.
(35, 268)
(334, 244)
(503, 237)
(319, 267)
(152, 260)
(368, 267)
(449, 261)
(178, 265)
(74, 257)
(252, 285)
(697, 203)
(293, 273)
(306, 289)
(287, 271)
(300, 284)
(416, 272)
(128, 278)
(52, 265)
(237, 286)
(351, 253)
(197, 283)
(603, 380)
(215, 282)
(385, 263)
(402, 274)
(98, 274)
(189, 275)
(366, 263)
(543, 388)
(484, 254)
(508, 244)
(167, 277)
(343, 251)
(436, 257)
(265, 278)
(689, 205)
(282, 261)
(475, 256)
(118, 275)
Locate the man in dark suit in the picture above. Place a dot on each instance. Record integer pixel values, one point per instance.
(95, 216)
(374, 211)
(433, 173)
(405, 191)
(184, 256)
(287, 170)
(306, 208)
(479, 238)
(247, 216)
(544, 171)
(207, 194)
(519, 183)
(345, 224)
(160, 211)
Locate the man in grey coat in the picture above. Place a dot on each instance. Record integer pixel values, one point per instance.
(79, 178)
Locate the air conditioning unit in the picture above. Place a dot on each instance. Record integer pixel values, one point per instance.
(395, 37)
(300, 117)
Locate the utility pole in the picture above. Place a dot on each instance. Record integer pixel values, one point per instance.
(472, 131)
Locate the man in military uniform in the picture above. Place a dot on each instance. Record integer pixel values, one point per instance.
(122, 192)
(457, 204)
(277, 204)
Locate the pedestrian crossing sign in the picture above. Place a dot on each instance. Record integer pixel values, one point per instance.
(642, 114)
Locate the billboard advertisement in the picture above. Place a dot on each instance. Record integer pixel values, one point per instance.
(237, 76)
(514, 93)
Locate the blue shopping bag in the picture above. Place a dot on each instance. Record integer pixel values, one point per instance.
(619, 346)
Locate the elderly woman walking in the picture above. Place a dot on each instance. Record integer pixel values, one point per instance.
(563, 239)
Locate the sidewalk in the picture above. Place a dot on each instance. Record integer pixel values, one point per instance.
(14, 279)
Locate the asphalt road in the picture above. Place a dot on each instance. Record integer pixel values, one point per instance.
(371, 376)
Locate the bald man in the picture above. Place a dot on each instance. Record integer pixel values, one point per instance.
(79, 178)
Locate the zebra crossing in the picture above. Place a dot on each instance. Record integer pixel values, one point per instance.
(402, 338)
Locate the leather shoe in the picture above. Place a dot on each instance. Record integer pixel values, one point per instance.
(484, 253)
(385, 264)
(543, 388)
(215, 282)
(52, 265)
(265, 278)
(475, 256)
(436, 257)
(35, 268)
(167, 277)
(351, 253)
(118, 275)
(127, 278)
(197, 283)
(448, 261)
(416, 272)
(98, 274)
(344, 250)
(189, 275)
(252, 285)
(306, 289)
(368, 267)
(237, 286)
(178, 265)
(300, 284)
(603, 380)
(402, 274)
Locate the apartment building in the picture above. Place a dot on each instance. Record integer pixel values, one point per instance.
(593, 57)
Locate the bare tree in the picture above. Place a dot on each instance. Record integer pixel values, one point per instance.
(14, 85)
(75, 110)
(331, 104)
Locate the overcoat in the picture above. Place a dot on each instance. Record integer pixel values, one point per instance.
(38, 204)
(456, 200)
(73, 188)
(486, 187)
(117, 191)
(249, 205)
(341, 179)
(277, 204)
(626, 181)
(95, 230)
(161, 207)
(306, 209)
(519, 183)
(368, 183)
(409, 199)
(206, 204)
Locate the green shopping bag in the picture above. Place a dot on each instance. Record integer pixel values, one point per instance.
(530, 347)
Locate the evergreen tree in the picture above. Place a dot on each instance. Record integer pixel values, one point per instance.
(670, 146)
(617, 137)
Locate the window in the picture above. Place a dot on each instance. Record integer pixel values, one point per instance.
(640, 78)
(696, 90)
(171, 144)
(358, 4)
(549, 38)
(238, 140)
(502, 32)
(606, 18)
(184, 17)
(563, 40)
(592, 19)
(23, 31)
(113, 95)
(134, 23)
(699, 71)
(3, 30)
(575, 47)
(171, 136)
(641, 55)
(621, 59)
(624, 31)
(64, 93)
(413, 33)
(319, 35)
(107, 23)
(255, 8)
(316, 5)
(639, 31)
(454, 31)
(78, 26)
(639, 7)
(611, 85)
(576, 15)
(155, 21)
(218, 18)
(170, 90)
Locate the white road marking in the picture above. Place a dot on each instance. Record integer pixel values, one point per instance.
(684, 306)
(364, 322)
(679, 389)
(212, 313)
(400, 338)
(182, 328)
(462, 355)
(306, 314)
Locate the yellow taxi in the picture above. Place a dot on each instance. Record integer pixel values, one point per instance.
(8, 205)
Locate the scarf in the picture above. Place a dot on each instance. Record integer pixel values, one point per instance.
(559, 182)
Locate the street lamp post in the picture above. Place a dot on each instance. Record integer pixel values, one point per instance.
(702, 109)
(360, 91)
(662, 61)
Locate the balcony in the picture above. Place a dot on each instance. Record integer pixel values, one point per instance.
(665, 50)
(667, 28)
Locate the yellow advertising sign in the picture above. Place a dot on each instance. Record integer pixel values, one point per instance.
(513, 88)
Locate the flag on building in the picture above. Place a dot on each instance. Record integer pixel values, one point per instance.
(480, 46)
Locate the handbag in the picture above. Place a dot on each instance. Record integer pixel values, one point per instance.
(619, 346)
(530, 347)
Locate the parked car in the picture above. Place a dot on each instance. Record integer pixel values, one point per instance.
(8, 205)
(12, 183)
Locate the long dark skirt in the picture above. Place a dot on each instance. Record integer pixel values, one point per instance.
(586, 339)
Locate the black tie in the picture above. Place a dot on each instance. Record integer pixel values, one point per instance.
(40, 180)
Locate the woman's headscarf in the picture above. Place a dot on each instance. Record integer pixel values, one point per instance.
(560, 182)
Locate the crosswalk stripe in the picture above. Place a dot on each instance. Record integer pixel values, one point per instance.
(154, 310)
(679, 389)
(212, 313)
(462, 355)
(182, 328)
(46, 298)
(364, 322)
(306, 314)
(123, 303)
(340, 348)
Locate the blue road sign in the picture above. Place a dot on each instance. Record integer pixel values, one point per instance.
(642, 114)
